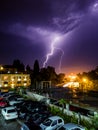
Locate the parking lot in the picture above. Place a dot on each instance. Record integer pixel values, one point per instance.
(33, 112)
(13, 124)
(14, 113)
(9, 125)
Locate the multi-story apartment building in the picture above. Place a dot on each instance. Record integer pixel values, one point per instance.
(11, 78)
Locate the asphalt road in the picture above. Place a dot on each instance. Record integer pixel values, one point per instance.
(9, 125)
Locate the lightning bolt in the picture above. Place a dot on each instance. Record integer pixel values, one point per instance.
(60, 58)
(55, 41)
(65, 25)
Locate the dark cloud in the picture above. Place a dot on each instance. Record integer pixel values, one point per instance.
(26, 11)
(82, 46)
(31, 26)
(15, 47)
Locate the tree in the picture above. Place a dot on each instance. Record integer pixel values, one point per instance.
(28, 69)
(48, 74)
(44, 74)
(36, 68)
(52, 76)
(60, 78)
(62, 102)
(35, 77)
(20, 66)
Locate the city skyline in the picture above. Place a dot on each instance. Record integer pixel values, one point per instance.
(62, 34)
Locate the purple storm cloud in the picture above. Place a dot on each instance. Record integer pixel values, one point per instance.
(59, 33)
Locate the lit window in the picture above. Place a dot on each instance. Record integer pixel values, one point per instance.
(12, 79)
(12, 85)
(8, 72)
(5, 85)
(19, 79)
(25, 79)
(25, 84)
(5, 77)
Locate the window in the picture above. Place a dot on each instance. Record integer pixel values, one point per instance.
(25, 81)
(59, 121)
(10, 111)
(5, 110)
(47, 122)
(25, 127)
(5, 82)
(19, 82)
(54, 123)
(5, 77)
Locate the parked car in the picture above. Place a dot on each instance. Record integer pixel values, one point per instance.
(28, 108)
(16, 101)
(30, 126)
(3, 102)
(22, 113)
(38, 117)
(71, 126)
(42, 117)
(13, 96)
(9, 113)
(2, 93)
(52, 123)
(7, 94)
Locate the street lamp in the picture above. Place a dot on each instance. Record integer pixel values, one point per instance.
(84, 87)
(85, 81)
(1, 69)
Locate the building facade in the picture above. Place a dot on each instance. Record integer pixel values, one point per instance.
(10, 77)
(14, 80)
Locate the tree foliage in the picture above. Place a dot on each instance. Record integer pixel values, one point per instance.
(28, 69)
(37, 74)
(36, 68)
(19, 65)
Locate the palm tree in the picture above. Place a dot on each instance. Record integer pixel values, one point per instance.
(62, 102)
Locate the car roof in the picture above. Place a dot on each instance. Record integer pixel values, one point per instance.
(54, 117)
(71, 125)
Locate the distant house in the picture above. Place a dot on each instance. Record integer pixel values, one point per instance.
(45, 85)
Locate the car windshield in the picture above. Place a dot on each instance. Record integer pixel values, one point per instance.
(12, 110)
(47, 122)
(25, 127)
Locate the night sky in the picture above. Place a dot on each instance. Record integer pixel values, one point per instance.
(58, 33)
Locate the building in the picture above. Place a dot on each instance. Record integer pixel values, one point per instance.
(9, 77)
(45, 85)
